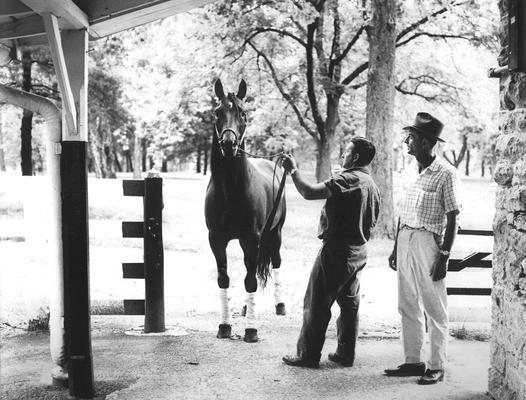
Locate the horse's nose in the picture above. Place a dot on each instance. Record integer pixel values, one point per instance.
(229, 144)
(229, 137)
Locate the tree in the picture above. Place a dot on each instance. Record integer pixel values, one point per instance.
(107, 120)
(380, 104)
(324, 41)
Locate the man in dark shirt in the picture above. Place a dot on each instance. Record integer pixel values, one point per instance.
(349, 214)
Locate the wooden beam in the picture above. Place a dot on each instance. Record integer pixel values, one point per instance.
(57, 54)
(458, 291)
(23, 27)
(475, 232)
(133, 270)
(134, 307)
(132, 229)
(108, 17)
(133, 187)
(75, 47)
(33, 41)
(13, 8)
(72, 15)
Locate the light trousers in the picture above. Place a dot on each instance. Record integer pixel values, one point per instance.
(417, 251)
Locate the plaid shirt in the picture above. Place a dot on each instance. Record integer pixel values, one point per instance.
(429, 196)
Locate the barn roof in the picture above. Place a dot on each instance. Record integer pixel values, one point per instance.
(21, 20)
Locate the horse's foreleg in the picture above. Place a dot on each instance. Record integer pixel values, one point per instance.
(219, 250)
(251, 286)
(276, 263)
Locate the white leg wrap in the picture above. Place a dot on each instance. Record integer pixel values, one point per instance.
(278, 290)
(223, 301)
(251, 310)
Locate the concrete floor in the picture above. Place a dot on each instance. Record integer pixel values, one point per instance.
(199, 366)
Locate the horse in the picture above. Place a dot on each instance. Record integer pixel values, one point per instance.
(239, 200)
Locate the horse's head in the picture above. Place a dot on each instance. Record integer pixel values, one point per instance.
(230, 118)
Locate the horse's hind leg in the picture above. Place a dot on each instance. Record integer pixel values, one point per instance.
(219, 249)
(251, 285)
(276, 263)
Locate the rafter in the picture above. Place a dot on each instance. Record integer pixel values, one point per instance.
(57, 53)
(72, 16)
(23, 27)
(13, 8)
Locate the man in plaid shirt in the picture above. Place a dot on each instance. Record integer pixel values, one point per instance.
(427, 230)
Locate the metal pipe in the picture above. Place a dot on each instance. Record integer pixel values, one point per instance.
(52, 116)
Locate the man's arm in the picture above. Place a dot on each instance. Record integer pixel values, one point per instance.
(307, 190)
(310, 191)
(392, 257)
(440, 268)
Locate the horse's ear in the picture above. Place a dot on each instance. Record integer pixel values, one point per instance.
(218, 89)
(242, 91)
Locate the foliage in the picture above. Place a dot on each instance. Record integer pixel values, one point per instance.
(156, 80)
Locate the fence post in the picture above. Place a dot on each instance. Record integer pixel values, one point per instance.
(153, 255)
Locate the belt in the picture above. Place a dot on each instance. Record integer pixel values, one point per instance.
(412, 228)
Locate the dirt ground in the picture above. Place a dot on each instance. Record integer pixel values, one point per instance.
(199, 366)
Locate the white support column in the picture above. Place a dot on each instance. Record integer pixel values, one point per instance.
(69, 52)
(75, 48)
(57, 54)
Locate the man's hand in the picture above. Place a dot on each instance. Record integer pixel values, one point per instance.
(392, 260)
(289, 163)
(439, 270)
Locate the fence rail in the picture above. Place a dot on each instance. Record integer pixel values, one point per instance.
(474, 260)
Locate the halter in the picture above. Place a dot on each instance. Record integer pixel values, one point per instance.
(220, 135)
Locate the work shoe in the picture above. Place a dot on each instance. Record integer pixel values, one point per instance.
(407, 369)
(431, 376)
(300, 362)
(335, 357)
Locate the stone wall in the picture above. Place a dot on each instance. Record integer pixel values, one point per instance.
(507, 377)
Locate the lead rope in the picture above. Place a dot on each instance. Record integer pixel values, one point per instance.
(268, 223)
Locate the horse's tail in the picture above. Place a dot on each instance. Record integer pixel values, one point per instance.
(267, 239)
(266, 246)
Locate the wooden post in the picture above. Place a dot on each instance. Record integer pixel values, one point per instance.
(152, 268)
(69, 50)
(153, 256)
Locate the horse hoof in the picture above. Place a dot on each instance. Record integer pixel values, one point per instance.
(224, 332)
(244, 311)
(251, 335)
(280, 309)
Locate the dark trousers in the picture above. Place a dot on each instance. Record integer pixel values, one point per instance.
(335, 276)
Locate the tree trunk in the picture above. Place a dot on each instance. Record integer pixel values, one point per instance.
(144, 153)
(27, 119)
(101, 148)
(137, 154)
(110, 162)
(482, 168)
(2, 155)
(468, 157)
(93, 154)
(118, 166)
(205, 167)
(323, 159)
(380, 105)
(198, 160)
